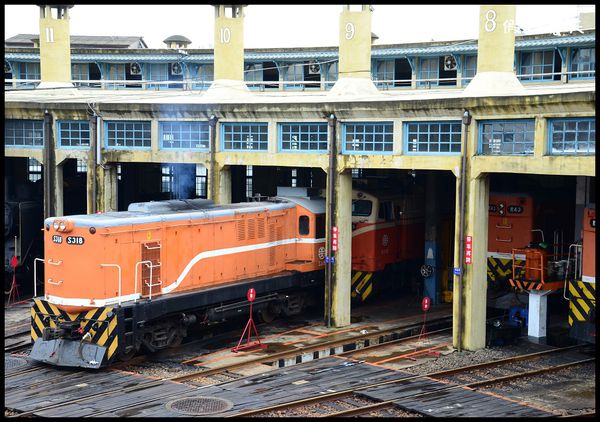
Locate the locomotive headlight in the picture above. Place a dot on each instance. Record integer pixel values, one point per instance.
(62, 226)
(55, 225)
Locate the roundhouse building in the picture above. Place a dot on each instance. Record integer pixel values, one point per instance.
(96, 123)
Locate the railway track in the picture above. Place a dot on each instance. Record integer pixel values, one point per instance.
(353, 399)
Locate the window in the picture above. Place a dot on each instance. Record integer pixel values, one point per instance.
(303, 225)
(166, 181)
(75, 133)
(320, 226)
(24, 133)
(158, 72)
(432, 137)
(368, 137)
(244, 136)
(201, 74)
(386, 211)
(293, 72)
(331, 74)
(584, 63)
(80, 72)
(539, 66)
(29, 71)
(356, 173)
(201, 180)
(184, 135)
(249, 191)
(294, 178)
(34, 169)
(469, 69)
(127, 134)
(383, 73)
(303, 136)
(115, 72)
(573, 136)
(508, 137)
(428, 72)
(81, 166)
(361, 207)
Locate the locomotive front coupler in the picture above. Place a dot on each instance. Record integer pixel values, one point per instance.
(66, 330)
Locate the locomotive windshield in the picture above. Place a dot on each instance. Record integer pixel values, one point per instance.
(361, 208)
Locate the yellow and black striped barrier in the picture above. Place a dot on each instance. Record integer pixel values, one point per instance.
(362, 285)
(501, 269)
(582, 305)
(100, 323)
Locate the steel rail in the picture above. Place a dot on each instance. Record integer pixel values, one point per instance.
(153, 383)
(295, 352)
(350, 391)
(389, 403)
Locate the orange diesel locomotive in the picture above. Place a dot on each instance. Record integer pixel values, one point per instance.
(121, 281)
(387, 231)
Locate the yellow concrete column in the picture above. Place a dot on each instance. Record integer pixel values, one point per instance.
(55, 46)
(342, 268)
(107, 189)
(229, 43)
(223, 189)
(355, 43)
(495, 52)
(354, 68)
(474, 289)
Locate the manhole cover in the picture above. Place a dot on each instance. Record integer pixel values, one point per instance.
(199, 405)
(13, 362)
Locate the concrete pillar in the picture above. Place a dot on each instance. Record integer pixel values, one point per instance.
(229, 43)
(495, 53)
(582, 188)
(474, 288)
(223, 187)
(342, 268)
(50, 167)
(538, 314)
(55, 46)
(354, 71)
(107, 188)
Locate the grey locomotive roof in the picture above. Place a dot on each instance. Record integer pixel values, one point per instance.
(125, 218)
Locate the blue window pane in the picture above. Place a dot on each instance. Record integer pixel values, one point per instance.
(24, 133)
(513, 137)
(127, 134)
(244, 136)
(572, 136)
(432, 137)
(368, 137)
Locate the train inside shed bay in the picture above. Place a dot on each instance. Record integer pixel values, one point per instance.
(120, 282)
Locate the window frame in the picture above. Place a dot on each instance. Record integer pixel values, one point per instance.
(59, 131)
(243, 125)
(203, 129)
(384, 143)
(577, 120)
(308, 133)
(481, 123)
(407, 143)
(144, 122)
(22, 130)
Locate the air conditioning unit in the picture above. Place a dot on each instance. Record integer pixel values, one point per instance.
(449, 63)
(135, 69)
(176, 69)
(314, 68)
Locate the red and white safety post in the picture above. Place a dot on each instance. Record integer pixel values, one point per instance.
(251, 295)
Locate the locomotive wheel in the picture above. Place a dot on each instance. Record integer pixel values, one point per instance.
(265, 315)
(124, 357)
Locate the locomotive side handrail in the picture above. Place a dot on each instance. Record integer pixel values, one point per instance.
(539, 255)
(51, 262)
(35, 275)
(577, 254)
(119, 268)
(504, 240)
(57, 283)
(136, 272)
(501, 226)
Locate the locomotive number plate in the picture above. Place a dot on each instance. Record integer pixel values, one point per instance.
(75, 240)
(57, 239)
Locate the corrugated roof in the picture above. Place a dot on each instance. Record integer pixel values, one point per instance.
(85, 40)
(469, 47)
